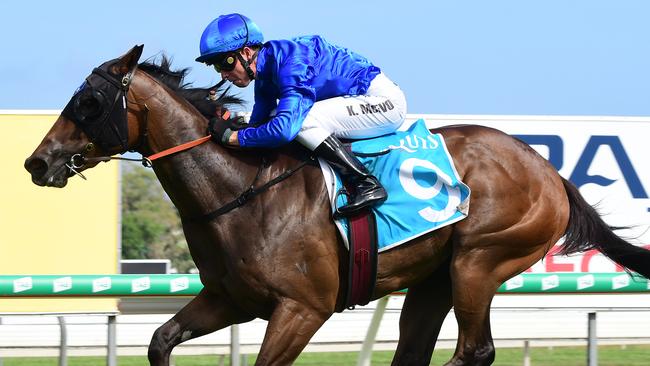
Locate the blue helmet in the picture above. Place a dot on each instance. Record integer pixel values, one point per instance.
(228, 33)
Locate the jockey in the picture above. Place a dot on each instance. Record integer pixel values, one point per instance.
(305, 89)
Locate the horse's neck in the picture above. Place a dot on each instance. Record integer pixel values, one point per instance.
(198, 179)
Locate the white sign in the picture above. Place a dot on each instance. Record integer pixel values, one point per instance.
(179, 284)
(22, 284)
(101, 284)
(140, 284)
(605, 157)
(62, 284)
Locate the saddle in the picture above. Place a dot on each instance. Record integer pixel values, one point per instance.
(424, 194)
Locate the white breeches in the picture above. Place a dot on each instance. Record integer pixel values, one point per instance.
(378, 112)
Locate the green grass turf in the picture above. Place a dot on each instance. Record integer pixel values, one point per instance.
(542, 356)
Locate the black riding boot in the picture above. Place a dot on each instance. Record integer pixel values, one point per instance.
(367, 192)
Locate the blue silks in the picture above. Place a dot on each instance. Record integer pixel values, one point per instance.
(291, 77)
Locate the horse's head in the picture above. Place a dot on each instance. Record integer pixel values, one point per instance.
(95, 122)
(108, 115)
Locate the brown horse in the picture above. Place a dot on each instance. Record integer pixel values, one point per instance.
(279, 256)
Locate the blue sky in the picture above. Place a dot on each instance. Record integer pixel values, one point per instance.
(555, 57)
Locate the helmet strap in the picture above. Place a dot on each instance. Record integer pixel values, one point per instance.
(247, 64)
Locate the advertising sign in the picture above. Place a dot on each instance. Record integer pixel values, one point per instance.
(74, 230)
(607, 158)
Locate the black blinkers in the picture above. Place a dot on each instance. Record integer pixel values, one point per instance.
(98, 107)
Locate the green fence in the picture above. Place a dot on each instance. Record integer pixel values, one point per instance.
(189, 284)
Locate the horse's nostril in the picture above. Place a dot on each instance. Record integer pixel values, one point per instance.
(36, 167)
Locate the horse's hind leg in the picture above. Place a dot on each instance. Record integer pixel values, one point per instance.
(476, 275)
(425, 308)
(473, 288)
(205, 314)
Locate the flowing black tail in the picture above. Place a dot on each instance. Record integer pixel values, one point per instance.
(587, 230)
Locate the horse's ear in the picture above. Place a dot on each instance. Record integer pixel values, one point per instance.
(129, 60)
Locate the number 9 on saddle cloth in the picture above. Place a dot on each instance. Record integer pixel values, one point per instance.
(424, 189)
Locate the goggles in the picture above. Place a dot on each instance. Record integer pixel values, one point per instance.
(225, 63)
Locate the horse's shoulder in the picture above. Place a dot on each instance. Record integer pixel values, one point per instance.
(289, 157)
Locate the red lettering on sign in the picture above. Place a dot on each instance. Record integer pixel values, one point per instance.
(551, 266)
(586, 260)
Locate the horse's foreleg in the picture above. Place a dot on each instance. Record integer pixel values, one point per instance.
(425, 308)
(205, 314)
(289, 330)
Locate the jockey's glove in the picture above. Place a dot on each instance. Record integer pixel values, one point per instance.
(221, 129)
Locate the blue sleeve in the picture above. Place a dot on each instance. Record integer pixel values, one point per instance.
(262, 107)
(297, 96)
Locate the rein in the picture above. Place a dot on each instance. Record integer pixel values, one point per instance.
(78, 161)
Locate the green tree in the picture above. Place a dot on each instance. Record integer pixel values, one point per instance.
(151, 227)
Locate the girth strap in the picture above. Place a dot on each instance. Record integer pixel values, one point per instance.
(251, 192)
(362, 272)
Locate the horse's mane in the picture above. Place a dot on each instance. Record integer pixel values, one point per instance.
(198, 97)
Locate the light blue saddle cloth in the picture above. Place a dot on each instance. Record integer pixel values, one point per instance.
(424, 190)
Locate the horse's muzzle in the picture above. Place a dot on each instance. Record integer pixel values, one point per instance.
(45, 174)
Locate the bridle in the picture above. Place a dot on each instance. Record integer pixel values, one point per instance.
(111, 121)
(100, 109)
(96, 125)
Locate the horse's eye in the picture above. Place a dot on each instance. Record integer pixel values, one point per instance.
(89, 105)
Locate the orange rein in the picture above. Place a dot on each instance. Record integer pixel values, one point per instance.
(185, 146)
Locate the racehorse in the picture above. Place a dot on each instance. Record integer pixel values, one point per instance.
(279, 257)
